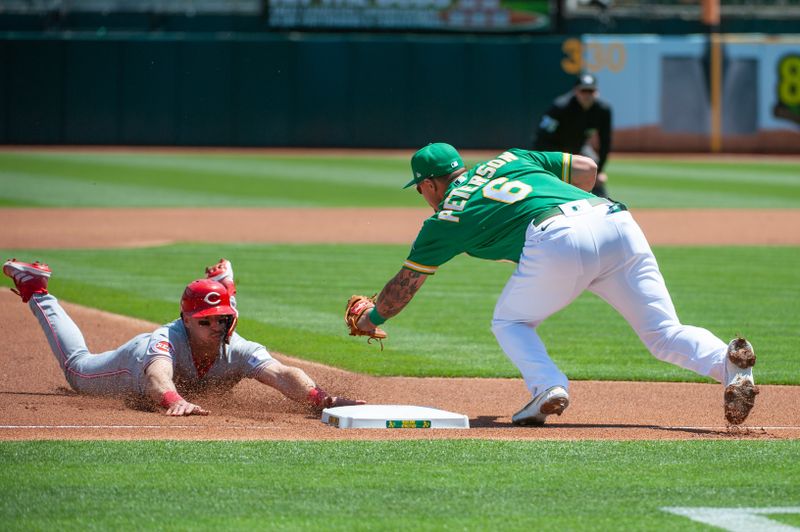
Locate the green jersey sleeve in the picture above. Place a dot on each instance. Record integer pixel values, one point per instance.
(433, 246)
(557, 163)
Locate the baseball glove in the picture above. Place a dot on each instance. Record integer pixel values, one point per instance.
(356, 307)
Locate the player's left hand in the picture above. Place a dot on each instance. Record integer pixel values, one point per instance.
(364, 324)
(185, 408)
(356, 317)
(319, 398)
(343, 401)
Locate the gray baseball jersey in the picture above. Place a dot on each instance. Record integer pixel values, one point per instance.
(122, 370)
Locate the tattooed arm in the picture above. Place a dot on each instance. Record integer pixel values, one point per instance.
(398, 292)
(395, 296)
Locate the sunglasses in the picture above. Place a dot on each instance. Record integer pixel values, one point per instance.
(586, 91)
(206, 322)
(419, 188)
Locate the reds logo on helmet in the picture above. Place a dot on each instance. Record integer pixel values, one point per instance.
(205, 297)
(212, 298)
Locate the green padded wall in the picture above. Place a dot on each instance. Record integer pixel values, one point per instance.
(336, 90)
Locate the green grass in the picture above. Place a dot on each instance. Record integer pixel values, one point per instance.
(108, 179)
(292, 297)
(680, 184)
(209, 180)
(411, 485)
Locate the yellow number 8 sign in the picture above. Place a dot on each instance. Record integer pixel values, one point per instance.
(789, 80)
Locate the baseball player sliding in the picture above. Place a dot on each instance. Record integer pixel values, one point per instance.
(533, 208)
(197, 352)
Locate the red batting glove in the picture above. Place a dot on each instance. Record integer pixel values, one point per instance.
(178, 406)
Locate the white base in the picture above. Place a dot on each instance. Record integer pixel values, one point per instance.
(392, 417)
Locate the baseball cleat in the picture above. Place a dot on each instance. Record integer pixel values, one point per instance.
(222, 272)
(553, 400)
(28, 278)
(740, 389)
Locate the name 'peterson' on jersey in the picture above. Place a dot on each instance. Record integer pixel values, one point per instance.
(455, 201)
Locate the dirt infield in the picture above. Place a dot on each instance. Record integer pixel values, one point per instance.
(38, 405)
(100, 228)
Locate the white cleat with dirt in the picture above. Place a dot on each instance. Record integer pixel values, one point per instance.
(740, 389)
(552, 401)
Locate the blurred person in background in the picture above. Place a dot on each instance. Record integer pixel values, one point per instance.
(579, 122)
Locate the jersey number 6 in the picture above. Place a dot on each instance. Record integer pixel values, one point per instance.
(501, 189)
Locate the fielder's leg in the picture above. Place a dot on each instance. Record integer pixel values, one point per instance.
(549, 276)
(634, 286)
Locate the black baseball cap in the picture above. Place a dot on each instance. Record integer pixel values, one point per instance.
(586, 81)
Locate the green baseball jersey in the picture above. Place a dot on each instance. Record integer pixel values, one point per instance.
(486, 211)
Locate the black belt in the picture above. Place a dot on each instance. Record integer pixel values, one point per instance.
(613, 206)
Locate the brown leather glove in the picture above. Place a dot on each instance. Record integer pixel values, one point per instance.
(356, 307)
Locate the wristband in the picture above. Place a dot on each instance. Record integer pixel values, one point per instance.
(169, 398)
(376, 318)
(317, 397)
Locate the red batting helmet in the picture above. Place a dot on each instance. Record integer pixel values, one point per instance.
(206, 297)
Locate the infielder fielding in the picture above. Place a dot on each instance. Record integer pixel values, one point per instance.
(198, 352)
(533, 208)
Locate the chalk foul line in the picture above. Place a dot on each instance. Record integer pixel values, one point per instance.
(737, 519)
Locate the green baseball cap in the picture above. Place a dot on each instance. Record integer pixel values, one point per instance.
(434, 160)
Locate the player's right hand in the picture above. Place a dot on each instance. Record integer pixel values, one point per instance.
(185, 408)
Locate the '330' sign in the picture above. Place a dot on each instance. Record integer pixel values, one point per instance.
(594, 56)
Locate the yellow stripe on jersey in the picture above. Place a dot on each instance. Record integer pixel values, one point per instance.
(421, 268)
(566, 168)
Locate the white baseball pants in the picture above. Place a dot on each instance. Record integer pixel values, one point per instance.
(608, 255)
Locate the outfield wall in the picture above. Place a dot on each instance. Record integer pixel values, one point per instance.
(395, 91)
(734, 93)
(310, 90)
